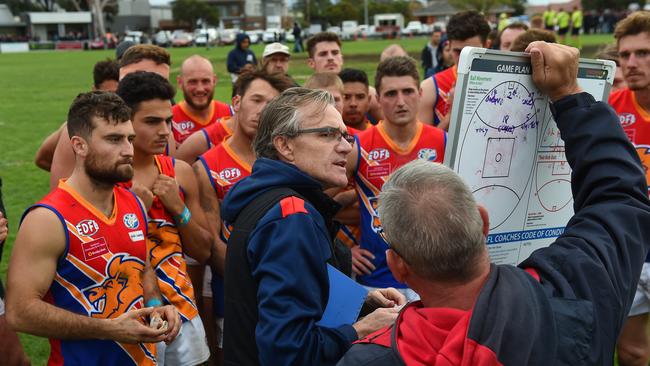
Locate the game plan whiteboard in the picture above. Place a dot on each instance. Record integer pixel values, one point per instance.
(505, 144)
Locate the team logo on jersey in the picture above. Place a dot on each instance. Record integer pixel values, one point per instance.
(378, 154)
(375, 224)
(428, 154)
(131, 221)
(627, 119)
(230, 174)
(87, 227)
(120, 289)
(184, 127)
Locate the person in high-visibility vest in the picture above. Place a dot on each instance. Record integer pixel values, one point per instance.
(562, 19)
(549, 19)
(503, 21)
(576, 27)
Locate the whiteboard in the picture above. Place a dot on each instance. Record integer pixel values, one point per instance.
(504, 143)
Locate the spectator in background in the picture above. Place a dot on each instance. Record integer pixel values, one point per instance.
(392, 51)
(508, 35)
(563, 21)
(297, 36)
(275, 59)
(537, 22)
(524, 39)
(576, 27)
(10, 347)
(549, 19)
(240, 56)
(430, 53)
(610, 52)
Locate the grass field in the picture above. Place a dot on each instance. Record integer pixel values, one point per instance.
(38, 88)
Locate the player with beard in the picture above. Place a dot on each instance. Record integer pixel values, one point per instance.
(197, 80)
(356, 98)
(170, 194)
(632, 104)
(383, 148)
(227, 163)
(142, 57)
(79, 272)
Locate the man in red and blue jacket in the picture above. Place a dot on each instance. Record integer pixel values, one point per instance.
(565, 304)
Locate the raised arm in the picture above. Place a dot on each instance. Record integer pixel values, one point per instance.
(600, 254)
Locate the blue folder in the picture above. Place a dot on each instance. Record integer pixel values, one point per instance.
(345, 300)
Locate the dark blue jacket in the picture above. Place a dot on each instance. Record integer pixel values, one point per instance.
(287, 253)
(572, 310)
(238, 58)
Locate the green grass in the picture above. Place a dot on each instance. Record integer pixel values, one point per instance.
(38, 88)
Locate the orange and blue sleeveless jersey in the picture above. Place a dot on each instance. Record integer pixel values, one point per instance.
(224, 167)
(99, 273)
(443, 82)
(165, 250)
(379, 156)
(185, 123)
(635, 122)
(217, 132)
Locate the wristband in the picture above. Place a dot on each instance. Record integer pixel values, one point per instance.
(183, 218)
(152, 303)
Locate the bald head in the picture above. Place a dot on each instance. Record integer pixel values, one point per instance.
(393, 50)
(196, 62)
(197, 81)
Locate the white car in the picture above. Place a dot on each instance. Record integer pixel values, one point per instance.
(335, 30)
(133, 36)
(228, 36)
(255, 35)
(271, 35)
(413, 28)
(288, 36)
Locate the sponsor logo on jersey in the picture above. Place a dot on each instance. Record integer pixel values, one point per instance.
(87, 227)
(230, 173)
(627, 119)
(379, 154)
(131, 221)
(183, 127)
(137, 235)
(428, 154)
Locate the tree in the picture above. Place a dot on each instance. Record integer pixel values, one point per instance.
(190, 11)
(343, 10)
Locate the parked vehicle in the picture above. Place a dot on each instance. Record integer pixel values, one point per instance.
(205, 37)
(271, 35)
(288, 35)
(133, 36)
(163, 38)
(367, 31)
(181, 38)
(255, 35)
(349, 29)
(313, 29)
(335, 30)
(96, 44)
(413, 28)
(228, 35)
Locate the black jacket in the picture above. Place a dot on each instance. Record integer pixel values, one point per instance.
(572, 313)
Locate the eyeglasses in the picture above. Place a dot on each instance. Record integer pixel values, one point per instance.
(383, 236)
(330, 133)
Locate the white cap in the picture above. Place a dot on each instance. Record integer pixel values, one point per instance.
(275, 48)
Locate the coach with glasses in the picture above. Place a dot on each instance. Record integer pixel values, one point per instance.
(281, 231)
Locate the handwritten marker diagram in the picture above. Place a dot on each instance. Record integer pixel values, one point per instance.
(553, 174)
(504, 126)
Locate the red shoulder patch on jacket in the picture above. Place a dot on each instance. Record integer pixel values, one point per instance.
(292, 205)
(533, 272)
